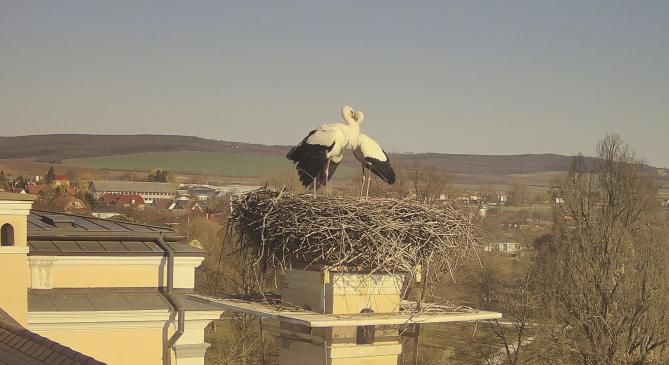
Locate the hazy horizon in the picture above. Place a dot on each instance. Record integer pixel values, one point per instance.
(519, 77)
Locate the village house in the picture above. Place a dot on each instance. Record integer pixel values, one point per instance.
(183, 205)
(504, 247)
(147, 190)
(69, 204)
(84, 288)
(61, 180)
(205, 192)
(120, 201)
(201, 193)
(35, 189)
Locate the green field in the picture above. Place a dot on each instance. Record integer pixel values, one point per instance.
(220, 163)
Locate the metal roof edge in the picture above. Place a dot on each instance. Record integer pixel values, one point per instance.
(166, 229)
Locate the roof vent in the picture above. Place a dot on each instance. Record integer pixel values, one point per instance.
(58, 220)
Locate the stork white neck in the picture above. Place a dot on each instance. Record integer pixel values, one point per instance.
(349, 115)
(353, 119)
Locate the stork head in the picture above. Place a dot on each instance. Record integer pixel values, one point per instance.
(358, 116)
(351, 116)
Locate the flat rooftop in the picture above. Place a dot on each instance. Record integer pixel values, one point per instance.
(313, 319)
(60, 234)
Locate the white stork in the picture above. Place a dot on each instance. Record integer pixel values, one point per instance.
(374, 158)
(320, 152)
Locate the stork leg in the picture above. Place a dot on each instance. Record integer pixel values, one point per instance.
(362, 186)
(369, 180)
(327, 176)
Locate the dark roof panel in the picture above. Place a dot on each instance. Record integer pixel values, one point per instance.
(43, 246)
(91, 246)
(113, 246)
(107, 248)
(40, 220)
(18, 346)
(72, 302)
(109, 299)
(61, 234)
(67, 246)
(136, 247)
(143, 301)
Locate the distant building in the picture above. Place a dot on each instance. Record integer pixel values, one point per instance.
(147, 190)
(183, 205)
(161, 204)
(462, 199)
(36, 189)
(483, 211)
(504, 247)
(123, 200)
(69, 204)
(205, 192)
(105, 215)
(61, 180)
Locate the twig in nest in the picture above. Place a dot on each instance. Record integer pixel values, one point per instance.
(279, 229)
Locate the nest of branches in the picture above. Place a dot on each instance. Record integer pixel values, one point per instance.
(282, 230)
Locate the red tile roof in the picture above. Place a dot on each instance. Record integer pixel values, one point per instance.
(36, 189)
(123, 198)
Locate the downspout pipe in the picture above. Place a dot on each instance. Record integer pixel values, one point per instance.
(173, 301)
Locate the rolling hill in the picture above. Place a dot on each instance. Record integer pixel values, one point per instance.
(57, 147)
(139, 151)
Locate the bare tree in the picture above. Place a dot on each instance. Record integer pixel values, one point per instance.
(285, 178)
(603, 277)
(237, 339)
(428, 183)
(509, 290)
(518, 195)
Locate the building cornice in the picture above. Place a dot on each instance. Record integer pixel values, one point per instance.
(22, 250)
(15, 197)
(86, 320)
(191, 350)
(126, 319)
(15, 207)
(69, 234)
(179, 261)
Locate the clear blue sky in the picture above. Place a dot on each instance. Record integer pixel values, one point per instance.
(497, 77)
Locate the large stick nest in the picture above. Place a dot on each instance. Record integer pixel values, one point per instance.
(279, 229)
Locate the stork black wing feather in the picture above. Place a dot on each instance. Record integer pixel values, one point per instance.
(310, 160)
(382, 169)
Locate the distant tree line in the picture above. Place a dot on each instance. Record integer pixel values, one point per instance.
(160, 175)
